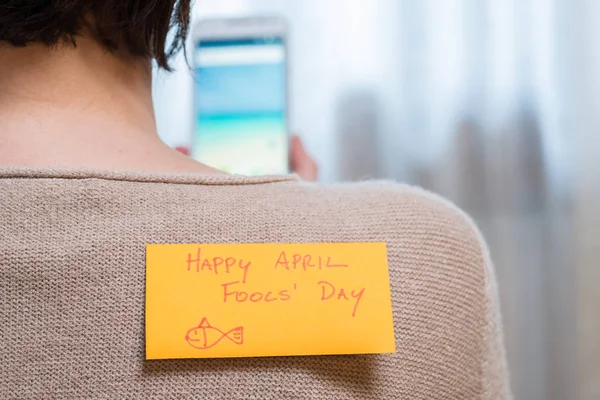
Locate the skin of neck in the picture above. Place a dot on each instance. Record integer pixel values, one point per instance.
(81, 107)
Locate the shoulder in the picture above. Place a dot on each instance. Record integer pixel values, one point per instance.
(422, 230)
(401, 211)
(443, 283)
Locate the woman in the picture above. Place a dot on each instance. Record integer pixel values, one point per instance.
(86, 184)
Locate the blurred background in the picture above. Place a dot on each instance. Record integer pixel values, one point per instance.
(494, 104)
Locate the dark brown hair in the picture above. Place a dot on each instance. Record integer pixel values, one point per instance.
(141, 26)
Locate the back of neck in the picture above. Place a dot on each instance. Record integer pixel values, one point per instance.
(80, 107)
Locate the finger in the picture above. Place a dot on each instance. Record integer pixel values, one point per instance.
(183, 150)
(302, 162)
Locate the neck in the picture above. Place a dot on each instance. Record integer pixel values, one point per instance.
(80, 107)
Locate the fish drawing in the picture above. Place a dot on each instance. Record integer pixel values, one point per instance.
(205, 336)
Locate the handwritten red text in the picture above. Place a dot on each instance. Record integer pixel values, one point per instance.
(329, 292)
(240, 296)
(305, 262)
(217, 265)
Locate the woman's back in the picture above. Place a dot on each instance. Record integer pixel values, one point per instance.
(76, 94)
(72, 284)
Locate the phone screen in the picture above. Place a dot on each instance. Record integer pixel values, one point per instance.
(240, 105)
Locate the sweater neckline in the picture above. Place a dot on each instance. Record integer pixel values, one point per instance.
(138, 176)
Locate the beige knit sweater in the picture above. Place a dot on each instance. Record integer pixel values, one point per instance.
(72, 265)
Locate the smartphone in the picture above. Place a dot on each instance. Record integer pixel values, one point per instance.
(241, 95)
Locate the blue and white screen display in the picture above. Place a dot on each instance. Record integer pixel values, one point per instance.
(240, 106)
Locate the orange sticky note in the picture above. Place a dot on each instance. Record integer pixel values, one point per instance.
(256, 300)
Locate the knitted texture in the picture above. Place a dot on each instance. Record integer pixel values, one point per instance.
(72, 287)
